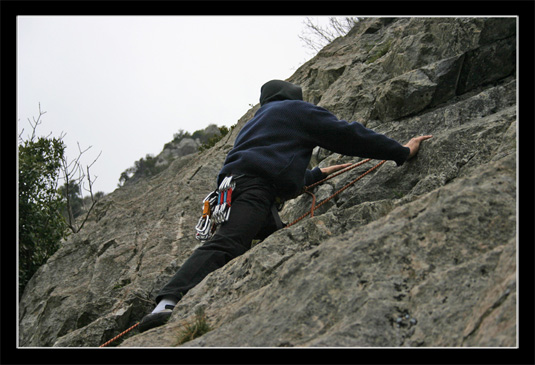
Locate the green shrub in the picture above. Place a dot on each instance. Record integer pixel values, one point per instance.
(41, 225)
(212, 141)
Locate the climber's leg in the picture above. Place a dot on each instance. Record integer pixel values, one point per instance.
(250, 212)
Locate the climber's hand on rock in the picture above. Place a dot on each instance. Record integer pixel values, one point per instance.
(414, 145)
(330, 169)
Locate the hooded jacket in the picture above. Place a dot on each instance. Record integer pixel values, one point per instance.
(277, 143)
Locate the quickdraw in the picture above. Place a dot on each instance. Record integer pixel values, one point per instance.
(222, 210)
(216, 209)
(206, 226)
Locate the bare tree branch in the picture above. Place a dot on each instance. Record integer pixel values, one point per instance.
(34, 124)
(316, 37)
(73, 176)
(74, 173)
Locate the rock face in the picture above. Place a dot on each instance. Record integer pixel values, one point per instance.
(185, 146)
(418, 255)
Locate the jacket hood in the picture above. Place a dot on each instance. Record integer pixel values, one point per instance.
(279, 90)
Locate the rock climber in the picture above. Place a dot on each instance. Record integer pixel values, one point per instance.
(269, 163)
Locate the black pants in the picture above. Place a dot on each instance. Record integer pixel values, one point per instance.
(250, 218)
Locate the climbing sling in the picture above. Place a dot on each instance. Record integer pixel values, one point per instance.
(217, 204)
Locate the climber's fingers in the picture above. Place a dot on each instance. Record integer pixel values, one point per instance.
(414, 144)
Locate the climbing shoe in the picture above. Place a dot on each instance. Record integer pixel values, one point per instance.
(156, 319)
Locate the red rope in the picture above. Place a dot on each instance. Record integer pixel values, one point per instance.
(315, 207)
(119, 335)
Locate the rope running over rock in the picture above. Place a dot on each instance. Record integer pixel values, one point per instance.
(314, 206)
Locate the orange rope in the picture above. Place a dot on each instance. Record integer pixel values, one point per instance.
(312, 209)
(315, 207)
(119, 335)
(338, 173)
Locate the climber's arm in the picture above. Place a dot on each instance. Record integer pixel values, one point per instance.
(330, 169)
(317, 174)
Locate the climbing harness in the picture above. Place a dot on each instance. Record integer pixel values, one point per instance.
(217, 204)
(216, 209)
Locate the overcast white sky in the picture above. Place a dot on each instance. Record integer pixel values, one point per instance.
(125, 84)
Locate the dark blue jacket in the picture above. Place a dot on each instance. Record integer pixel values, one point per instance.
(277, 143)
